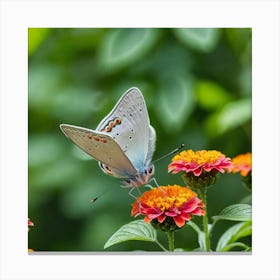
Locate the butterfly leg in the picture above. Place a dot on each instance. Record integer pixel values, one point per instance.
(157, 185)
(130, 193)
(154, 179)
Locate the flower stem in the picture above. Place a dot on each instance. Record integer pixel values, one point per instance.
(170, 235)
(202, 193)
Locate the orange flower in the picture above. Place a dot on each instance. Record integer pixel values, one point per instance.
(197, 162)
(174, 204)
(243, 164)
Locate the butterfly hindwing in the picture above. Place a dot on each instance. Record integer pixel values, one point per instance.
(102, 147)
(129, 125)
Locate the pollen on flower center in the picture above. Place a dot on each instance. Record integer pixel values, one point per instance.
(199, 162)
(167, 197)
(199, 157)
(173, 204)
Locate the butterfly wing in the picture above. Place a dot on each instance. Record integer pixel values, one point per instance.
(151, 145)
(129, 125)
(101, 147)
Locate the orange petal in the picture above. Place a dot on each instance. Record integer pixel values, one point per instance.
(147, 220)
(179, 221)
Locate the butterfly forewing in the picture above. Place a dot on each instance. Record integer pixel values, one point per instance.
(128, 124)
(100, 146)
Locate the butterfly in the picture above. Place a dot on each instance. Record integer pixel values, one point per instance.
(124, 141)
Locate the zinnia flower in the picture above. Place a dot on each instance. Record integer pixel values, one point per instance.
(200, 167)
(168, 206)
(197, 162)
(242, 163)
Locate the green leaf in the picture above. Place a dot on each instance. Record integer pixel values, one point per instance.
(200, 234)
(136, 230)
(210, 95)
(122, 47)
(246, 200)
(201, 39)
(234, 233)
(235, 114)
(179, 250)
(176, 102)
(35, 37)
(236, 244)
(236, 212)
(231, 116)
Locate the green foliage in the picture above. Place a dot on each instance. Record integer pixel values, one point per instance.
(211, 96)
(197, 86)
(178, 108)
(136, 230)
(234, 233)
(35, 38)
(236, 212)
(122, 47)
(200, 236)
(201, 39)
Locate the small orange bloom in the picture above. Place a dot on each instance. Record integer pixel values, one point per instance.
(242, 163)
(199, 161)
(174, 202)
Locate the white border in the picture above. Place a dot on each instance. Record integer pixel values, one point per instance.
(17, 16)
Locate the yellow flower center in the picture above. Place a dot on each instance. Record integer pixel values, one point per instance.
(166, 197)
(199, 157)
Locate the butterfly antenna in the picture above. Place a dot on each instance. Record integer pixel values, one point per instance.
(97, 197)
(171, 153)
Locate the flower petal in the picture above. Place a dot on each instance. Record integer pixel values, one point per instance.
(161, 218)
(179, 221)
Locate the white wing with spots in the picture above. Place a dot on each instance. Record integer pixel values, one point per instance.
(133, 133)
(101, 147)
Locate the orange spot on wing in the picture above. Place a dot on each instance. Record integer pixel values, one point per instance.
(108, 128)
(118, 120)
(103, 140)
(108, 170)
(96, 138)
(89, 136)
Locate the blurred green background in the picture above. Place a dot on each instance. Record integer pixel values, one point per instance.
(197, 86)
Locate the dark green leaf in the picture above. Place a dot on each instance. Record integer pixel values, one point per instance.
(136, 230)
(236, 212)
(235, 114)
(202, 39)
(200, 234)
(231, 116)
(234, 233)
(176, 102)
(122, 47)
(236, 244)
(246, 200)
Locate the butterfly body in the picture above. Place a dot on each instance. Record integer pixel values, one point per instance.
(123, 142)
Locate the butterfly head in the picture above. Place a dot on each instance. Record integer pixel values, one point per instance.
(141, 178)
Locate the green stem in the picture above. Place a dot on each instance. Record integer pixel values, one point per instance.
(170, 235)
(202, 193)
